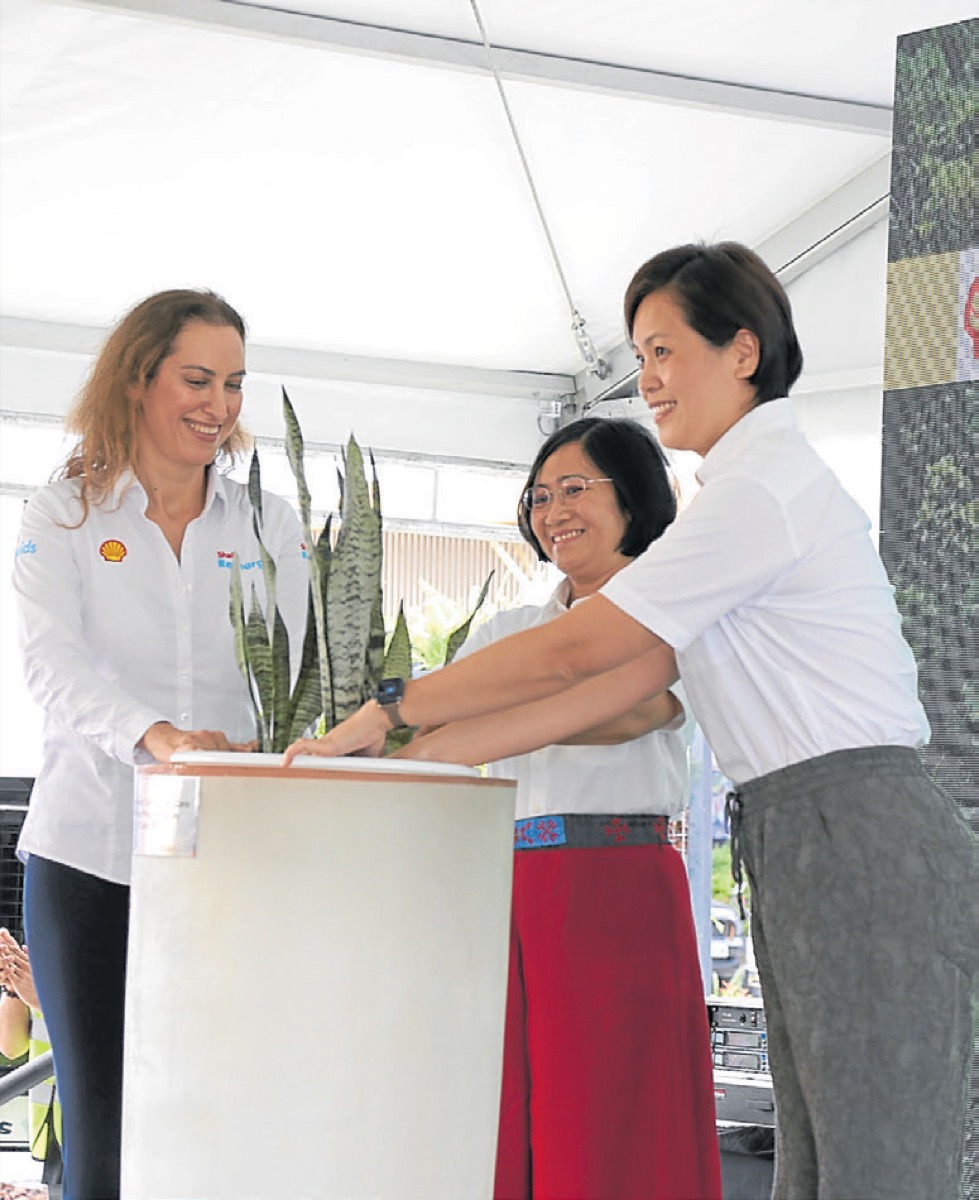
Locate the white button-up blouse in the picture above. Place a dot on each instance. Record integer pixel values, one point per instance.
(117, 634)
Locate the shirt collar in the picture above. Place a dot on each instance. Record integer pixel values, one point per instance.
(560, 600)
(217, 488)
(128, 488)
(774, 416)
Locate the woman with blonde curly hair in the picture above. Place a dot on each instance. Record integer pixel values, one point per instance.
(121, 576)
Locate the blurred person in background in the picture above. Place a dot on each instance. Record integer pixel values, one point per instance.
(22, 1031)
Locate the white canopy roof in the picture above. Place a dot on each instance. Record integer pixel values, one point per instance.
(344, 174)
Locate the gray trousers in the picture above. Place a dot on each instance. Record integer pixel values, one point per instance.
(865, 923)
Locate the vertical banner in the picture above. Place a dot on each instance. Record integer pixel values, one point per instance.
(929, 501)
(928, 537)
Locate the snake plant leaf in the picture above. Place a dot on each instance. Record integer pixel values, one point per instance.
(260, 661)
(306, 702)
(268, 573)
(320, 564)
(238, 615)
(397, 660)
(295, 447)
(458, 636)
(305, 708)
(355, 579)
(375, 485)
(343, 648)
(255, 492)
(374, 665)
(323, 549)
(394, 739)
(238, 626)
(258, 519)
(280, 683)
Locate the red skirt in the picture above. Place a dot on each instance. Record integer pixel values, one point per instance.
(607, 1082)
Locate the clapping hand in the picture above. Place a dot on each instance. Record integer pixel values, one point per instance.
(15, 969)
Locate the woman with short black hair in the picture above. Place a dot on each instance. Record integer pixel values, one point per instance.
(768, 595)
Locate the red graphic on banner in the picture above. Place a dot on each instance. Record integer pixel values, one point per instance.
(970, 317)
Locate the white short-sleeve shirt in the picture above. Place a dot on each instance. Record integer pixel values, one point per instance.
(770, 591)
(116, 634)
(646, 775)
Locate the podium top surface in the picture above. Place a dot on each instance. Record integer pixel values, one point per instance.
(229, 763)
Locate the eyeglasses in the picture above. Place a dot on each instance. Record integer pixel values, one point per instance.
(568, 487)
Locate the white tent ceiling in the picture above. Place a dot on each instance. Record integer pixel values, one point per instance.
(344, 174)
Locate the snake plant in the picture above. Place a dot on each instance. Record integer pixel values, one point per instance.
(343, 656)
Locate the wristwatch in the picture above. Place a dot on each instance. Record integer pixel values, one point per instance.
(389, 694)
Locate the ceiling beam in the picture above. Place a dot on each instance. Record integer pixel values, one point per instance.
(826, 226)
(295, 363)
(522, 65)
(796, 247)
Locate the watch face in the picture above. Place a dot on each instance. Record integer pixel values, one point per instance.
(390, 691)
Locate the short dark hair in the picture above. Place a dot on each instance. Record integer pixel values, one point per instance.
(722, 288)
(630, 456)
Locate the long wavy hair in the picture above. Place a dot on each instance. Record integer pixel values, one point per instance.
(104, 415)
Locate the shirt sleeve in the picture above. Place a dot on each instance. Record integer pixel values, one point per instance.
(58, 667)
(723, 551)
(683, 721)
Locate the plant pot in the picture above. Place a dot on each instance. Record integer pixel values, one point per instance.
(316, 981)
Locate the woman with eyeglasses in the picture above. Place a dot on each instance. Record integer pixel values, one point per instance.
(607, 1088)
(768, 595)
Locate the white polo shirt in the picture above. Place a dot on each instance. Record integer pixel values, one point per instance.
(646, 775)
(116, 634)
(770, 591)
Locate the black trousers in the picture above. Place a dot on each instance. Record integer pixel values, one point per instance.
(77, 929)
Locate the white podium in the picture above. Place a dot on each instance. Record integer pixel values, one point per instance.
(316, 982)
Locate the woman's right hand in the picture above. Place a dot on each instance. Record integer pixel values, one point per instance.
(362, 733)
(164, 740)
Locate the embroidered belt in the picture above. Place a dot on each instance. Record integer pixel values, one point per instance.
(587, 831)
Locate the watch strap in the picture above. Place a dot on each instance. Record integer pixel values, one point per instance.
(389, 694)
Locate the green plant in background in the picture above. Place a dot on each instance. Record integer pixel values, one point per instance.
(933, 568)
(721, 883)
(344, 655)
(437, 627)
(934, 157)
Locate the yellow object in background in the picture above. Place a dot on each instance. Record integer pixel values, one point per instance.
(931, 321)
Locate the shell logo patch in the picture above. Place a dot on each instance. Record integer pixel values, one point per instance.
(112, 550)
